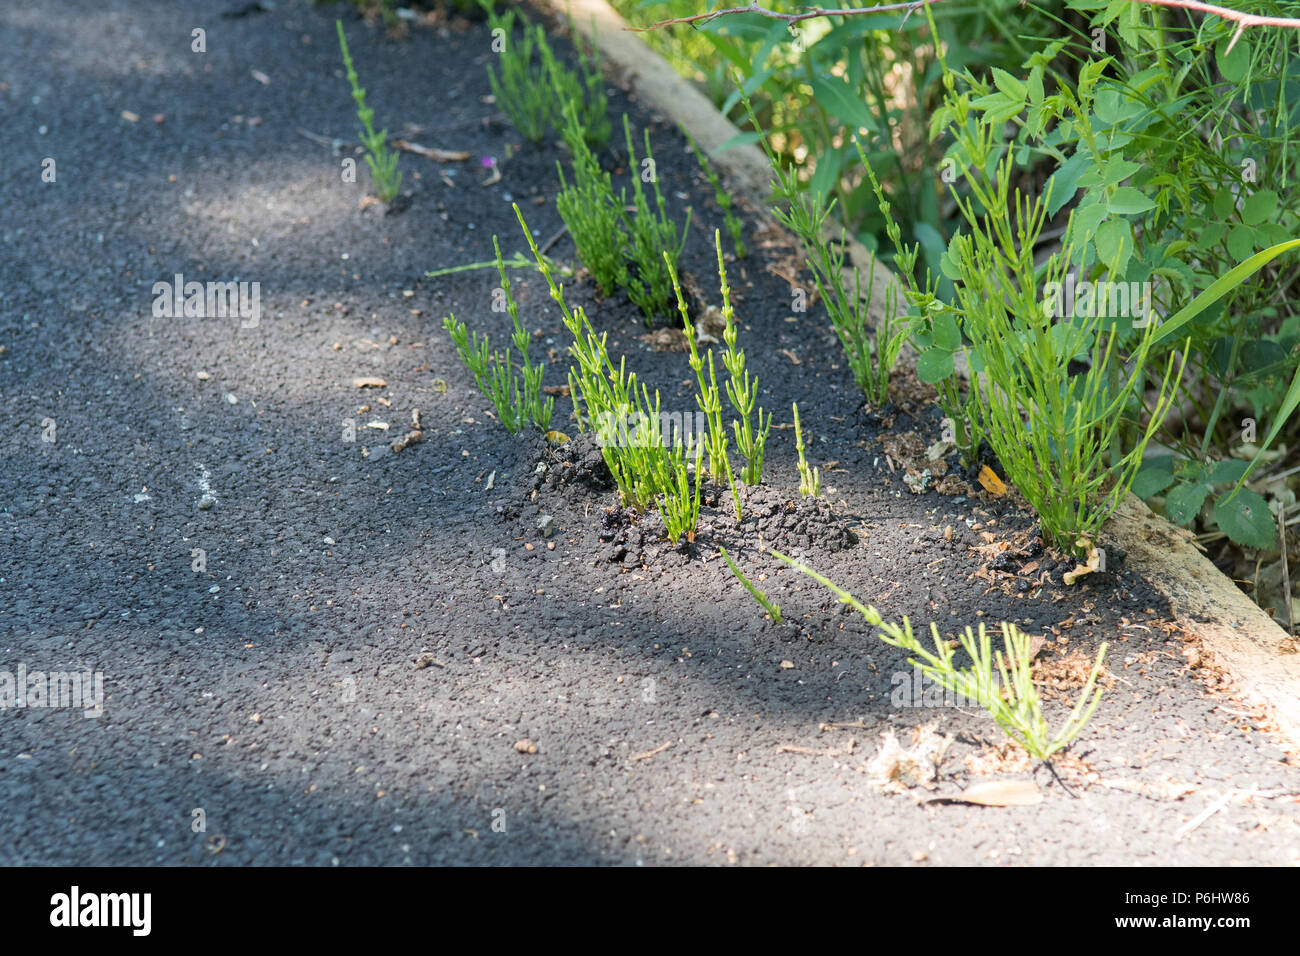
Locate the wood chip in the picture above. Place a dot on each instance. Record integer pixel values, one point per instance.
(998, 793)
(429, 152)
(362, 382)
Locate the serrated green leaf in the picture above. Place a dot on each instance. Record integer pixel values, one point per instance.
(1184, 503)
(1224, 203)
(1035, 86)
(1063, 183)
(1245, 518)
(1227, 470)
(1086, 221)
(1114, 240)
(1118, 170)
(1128, 200)
(1211, 235)
(1151, 480)
(1008, 84)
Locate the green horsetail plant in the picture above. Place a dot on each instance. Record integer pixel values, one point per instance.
(810, 480)
(1012, 701)
(517, 403)
(723, 198)
(381, 160)
(523, 91)
(1052, 431)
(771, 607)
(585, 89)
(652, 235)
(872, 354)
(742, 392)
(592, 214)
(645, 469)
(709, 400)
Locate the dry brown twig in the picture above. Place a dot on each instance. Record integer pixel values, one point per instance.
(1243, 20)
(650, 753)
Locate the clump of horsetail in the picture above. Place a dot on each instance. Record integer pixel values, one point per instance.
(708, 397)
(518, 400)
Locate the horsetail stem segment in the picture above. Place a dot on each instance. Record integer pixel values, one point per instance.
(810, 480)
(381, 160)
(742, 392)
(771, 607)
(517, 261)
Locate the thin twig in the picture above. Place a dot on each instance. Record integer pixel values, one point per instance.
(1204, 815)
(789, 749)
(546, 246)
(650, 753)
(332, 142)
(1243, 20)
